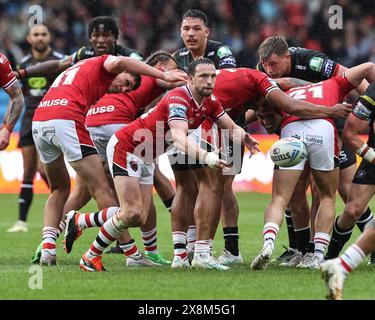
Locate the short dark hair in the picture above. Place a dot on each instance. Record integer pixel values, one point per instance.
(109, 24)
(193, 65)
(271, 45)
(137, 80)
(196, 14)
(159, 56)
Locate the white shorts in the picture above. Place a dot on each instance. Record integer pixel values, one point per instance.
(320, 138)
(59, 136)
(101, 135)
(123, 163)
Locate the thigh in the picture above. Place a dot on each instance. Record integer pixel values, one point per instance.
(129, 192)
(57, 174)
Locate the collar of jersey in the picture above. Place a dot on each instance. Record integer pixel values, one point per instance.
(195, 101)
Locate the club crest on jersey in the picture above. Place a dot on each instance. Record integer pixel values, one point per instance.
(133, 165)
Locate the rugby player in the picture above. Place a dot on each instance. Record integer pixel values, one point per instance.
(33, 89)
(58, 131)
(319, 137)
(336, 270)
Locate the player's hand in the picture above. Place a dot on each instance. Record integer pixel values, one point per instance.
(175, 76)
(340, 110)
(213, 161)
(251, 144)
(4, 138)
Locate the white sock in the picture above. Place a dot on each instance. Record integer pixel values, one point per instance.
(321, 242)
(270, 232)
(351, 258)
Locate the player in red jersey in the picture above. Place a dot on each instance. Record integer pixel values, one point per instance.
(104, 118)
(132, 150)
(320, 138)
(236, 89)
(58, 131)
(10, 85)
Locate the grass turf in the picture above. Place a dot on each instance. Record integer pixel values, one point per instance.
(67, 281)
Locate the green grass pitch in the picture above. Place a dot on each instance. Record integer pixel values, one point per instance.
(67, 281)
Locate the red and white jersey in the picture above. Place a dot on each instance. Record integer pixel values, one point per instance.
(236, 87)
(7, 77)
(75, 90)
(123, 108)
(325, 93)
(151, 129)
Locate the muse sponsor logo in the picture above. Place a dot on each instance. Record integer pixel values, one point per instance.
(53, 102)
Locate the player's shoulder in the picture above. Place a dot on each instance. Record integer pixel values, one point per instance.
(181, 94)
(219, 49)
(126, 52)
(57, 54)
(180, 53)
(25, 60)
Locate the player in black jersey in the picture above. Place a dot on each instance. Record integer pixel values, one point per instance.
(191, 177)
(103, 33)
(33, 89)
(336, 270)
(278, 60)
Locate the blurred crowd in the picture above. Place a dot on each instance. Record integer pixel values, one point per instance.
(148, 25)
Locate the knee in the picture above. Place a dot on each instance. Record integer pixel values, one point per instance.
(353, 210)
(133, 216)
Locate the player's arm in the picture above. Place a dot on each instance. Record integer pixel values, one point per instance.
(361, 87)
(236, 133)
(117, 65)
(48, 68)
(250, 116)
(289, 82)
(305, 109)
(169, 85)
(12, 114)
(179, 131)
(363, 112)
(358, 75)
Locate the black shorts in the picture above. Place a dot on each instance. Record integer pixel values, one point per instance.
(347, 157)
(365, 174)
(26, 137)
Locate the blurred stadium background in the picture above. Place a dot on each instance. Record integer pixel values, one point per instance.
(149, 25)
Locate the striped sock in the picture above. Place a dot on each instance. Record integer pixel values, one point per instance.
(129, 248)
(202, 247)
(364, 219)
(321, 242)
(95, 219)
(211, 247)
(191, 237)
(150, 240)
(49, 240)
(25, 199)
(231, 240)
(108, 233)
(351, 258)
(179, 244)
(61, 228)
(270, 231)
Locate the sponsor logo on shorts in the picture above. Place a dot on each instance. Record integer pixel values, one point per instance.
(314, 139)
(328, 68)
(316, 64)
(48, 130)
(227, 61)
(53, 102)
(343, 157)
(361, 111)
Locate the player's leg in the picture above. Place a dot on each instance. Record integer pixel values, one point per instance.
(59, 181)
(164, 188)
(335, 271)
(283, 185)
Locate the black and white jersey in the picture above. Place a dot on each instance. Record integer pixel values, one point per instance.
(85, 53)
(219, 53)
(34, 88)
(309, 65)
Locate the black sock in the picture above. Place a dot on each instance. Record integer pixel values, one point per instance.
(310, 247)
(302, 239)
(364, 218)
(231, 240)
(25, 199)
(291, 233)
(339, 238)
(168, 203)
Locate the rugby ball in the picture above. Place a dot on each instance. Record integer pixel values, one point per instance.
(288, 152)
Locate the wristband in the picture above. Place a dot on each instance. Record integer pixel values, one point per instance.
(9, 127)
(366, 153)
(22, 73)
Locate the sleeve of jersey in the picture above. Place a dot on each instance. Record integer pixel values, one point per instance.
(265, 85)
(7, 77)
(225, 58)
(78, 55)
(176, 111)
(321, 65)
(365, 107)
(217, 110)
(344, 85)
